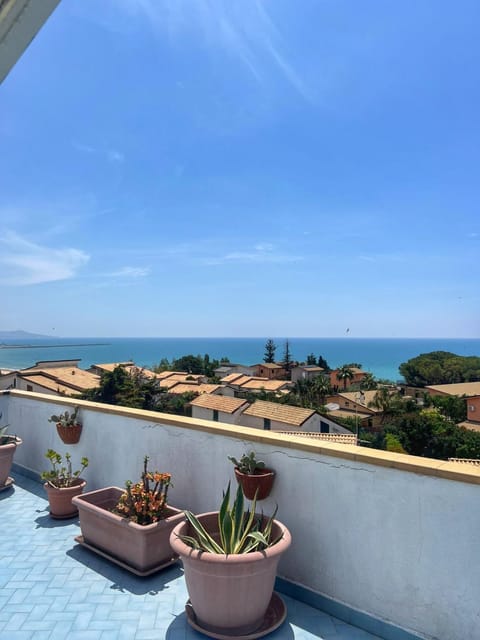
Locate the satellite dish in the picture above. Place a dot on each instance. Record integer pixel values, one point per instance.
(332, 406)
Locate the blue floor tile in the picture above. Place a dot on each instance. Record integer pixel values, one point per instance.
(53, 589)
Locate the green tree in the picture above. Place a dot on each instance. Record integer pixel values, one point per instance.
(368, 383)
(440, 367)
(125, 388)
(454, 408)
(190, 364)
(345, 374)
(388, 402)
(163, 365)
(287, 361)
(322, 387)
(311, 359)
(393, 444)
(270, 348)
(321, 362)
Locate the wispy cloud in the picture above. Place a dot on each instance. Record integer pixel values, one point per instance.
(242, 28)
(261, 253)
(112, 155)
(26, 263)
(130, 272)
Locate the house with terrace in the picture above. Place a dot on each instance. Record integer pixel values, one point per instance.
(238, 385)
(356, 405)
(272, 416)
(307, 372)
(218, 408)
(460, 389)
(58, 377)
(357, 376)
(270, 370)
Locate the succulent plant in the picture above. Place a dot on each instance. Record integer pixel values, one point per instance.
(66, 419)
(240, 531)
(248, 463)
(61, 474)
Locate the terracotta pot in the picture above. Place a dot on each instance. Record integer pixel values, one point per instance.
(7, 451)
(142, 547)
(69, 435)
(229, 594)
(60, 499)
(263, 481)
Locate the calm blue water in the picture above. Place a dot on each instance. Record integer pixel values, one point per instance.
(381, 356)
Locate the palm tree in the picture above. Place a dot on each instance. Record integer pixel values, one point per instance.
(368, 383)
(386, 401)
(322, 387)
(344, 373)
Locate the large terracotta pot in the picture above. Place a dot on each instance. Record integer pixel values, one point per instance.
(69, 435)
(262, 480)
(141, 547)
(229, 594)
(7, 451)
(60, 499)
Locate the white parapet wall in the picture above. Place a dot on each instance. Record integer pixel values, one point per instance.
(390, 535)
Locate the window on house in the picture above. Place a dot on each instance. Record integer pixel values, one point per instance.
(347, 404)
(324, 428)
(266, 424)
(29, 387)
(215, 415)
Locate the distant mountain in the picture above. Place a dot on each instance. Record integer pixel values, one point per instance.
(20, 335)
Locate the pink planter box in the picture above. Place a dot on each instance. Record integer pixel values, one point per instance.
(144, 548)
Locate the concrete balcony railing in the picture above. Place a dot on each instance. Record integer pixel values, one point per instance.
(382, 540)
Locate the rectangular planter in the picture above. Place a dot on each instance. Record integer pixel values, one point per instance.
(143, 548)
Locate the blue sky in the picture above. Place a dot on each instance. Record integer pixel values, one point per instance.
(244, 168)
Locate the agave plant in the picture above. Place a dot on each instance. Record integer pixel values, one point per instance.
(4, 438)
(240, 531)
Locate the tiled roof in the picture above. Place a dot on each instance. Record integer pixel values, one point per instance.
(193, 387)
(72, 377)
(231, 377)
(51, 384)
(220, 403)
(285, 413)
(238, 380)
(457, 389)
(110, 366)
(269, 365)
(344, 413)
(368, 396)
(471, 426)
(263, 383)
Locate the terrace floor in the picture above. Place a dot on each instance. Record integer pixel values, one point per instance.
(51, 588)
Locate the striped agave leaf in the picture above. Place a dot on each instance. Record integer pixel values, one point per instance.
(240, 531)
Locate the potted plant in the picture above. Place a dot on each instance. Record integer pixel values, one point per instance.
(253, 476)
(68, 426)
(131, 526)
(62, 484)
(8, 446)
(230, 560)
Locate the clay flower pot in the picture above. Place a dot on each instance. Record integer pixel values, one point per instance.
(142, 549)
(7, 451)
(71, 434)
(60, 499)
(229, 594)
(261, 480)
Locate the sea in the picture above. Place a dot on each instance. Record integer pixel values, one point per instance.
(380, 356)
